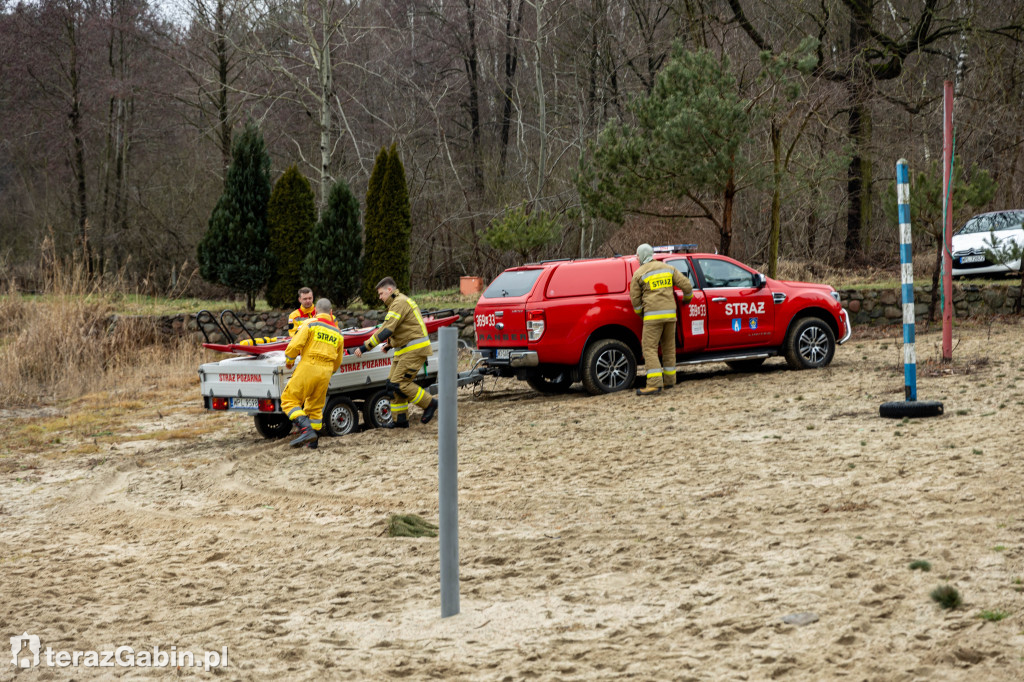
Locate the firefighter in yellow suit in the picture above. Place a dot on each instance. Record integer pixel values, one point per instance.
(651, 291)
(404, 330)
(321, 346)
(304, 313)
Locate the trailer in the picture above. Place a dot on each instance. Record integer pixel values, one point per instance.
(252, 381)
(253, 384)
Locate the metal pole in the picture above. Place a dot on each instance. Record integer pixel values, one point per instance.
(907, 280)
(448, 469)
(947, 218)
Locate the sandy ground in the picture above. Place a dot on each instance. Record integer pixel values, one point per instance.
(601, 537)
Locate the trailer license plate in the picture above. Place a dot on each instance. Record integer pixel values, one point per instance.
(502, 353)
(245, 403)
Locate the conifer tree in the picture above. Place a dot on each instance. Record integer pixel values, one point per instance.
(396, 221)
(334, 257)
(373, 269)
(235, 249)
(290, 216)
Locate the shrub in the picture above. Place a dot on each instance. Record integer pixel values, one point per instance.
(334, 257)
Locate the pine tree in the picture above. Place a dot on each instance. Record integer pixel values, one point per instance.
(334, 255)
(290, 216)
(396, 221)
(235, 249)
(373, 269)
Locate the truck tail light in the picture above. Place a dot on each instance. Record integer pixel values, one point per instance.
(266, 405)
(534, 325)
(219, 403)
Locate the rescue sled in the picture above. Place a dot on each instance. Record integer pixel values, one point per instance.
(260, 345)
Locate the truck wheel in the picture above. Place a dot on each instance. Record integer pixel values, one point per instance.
(608, 366)
(550, 381)
(377, 410)
(809, 344)
(340, 416)
(745, 365)
(272, 425)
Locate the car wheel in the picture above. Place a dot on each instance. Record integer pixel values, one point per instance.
(377, 410)
(340, 416)
(609, 365)
(272, 425)
(910, 408)
(810, 343)
(745, 365)
(551, 380)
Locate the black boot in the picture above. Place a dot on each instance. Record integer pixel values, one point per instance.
(306, 432)
(429, 413)
(400, 423)
(312, 445)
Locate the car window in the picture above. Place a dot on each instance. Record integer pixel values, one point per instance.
(1004, 220)
(683, 266)
(513, 283)
(720, 273)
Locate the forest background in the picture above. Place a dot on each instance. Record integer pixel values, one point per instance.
(117, 117)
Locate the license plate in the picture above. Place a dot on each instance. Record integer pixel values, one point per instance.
(971, 259)
(502, 353)
(245, 403)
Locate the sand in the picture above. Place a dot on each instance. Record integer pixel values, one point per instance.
(601, 537)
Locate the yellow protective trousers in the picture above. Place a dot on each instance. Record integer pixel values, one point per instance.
(660, 332)
(306, 392)
(404, 369)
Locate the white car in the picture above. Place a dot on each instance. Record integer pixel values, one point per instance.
(971, 241)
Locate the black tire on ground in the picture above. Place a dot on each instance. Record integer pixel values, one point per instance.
(910, 408)
(377, 410)
(609, 365)
(340, 416)
(810, 343)
(272, 425)
(556, 380)
(745, 365)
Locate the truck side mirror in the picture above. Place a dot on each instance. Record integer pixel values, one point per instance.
(760, 280)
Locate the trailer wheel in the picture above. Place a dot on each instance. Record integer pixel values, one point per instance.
(377, 410)
(272, 425)
(340, 416)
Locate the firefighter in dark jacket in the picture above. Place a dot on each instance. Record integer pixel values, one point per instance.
(404, 331)
(321, 346)
(652, 294)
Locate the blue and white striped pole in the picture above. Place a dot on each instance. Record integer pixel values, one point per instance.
(907, 278)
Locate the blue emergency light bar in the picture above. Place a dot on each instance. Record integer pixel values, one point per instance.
(676, 248)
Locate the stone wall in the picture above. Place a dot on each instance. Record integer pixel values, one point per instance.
(878, 307)
(275, 323)
(867, 307)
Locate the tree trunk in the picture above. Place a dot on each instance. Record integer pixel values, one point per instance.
(776, 227)
(512, 31)
(78, 162)
(326, 77)
(223, 64)
(473, 105)
(933, 303)
(728, 198)
(542, 111)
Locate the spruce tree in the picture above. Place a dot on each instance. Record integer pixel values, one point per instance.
(334, 255)
(235, 249)
(396, 220)
(290, 216)
(374, 269)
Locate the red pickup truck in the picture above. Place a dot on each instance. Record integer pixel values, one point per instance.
(558, 322)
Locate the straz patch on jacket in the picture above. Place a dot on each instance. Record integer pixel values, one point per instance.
(327, 336)
(660, 280)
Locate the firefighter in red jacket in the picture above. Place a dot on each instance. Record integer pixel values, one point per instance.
(404, 330)
(651, 291)
(321, 346)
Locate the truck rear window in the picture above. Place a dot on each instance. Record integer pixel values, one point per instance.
(586, 278)
(512, 283)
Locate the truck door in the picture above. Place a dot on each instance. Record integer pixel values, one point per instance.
(691, 319)
(740, 313)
